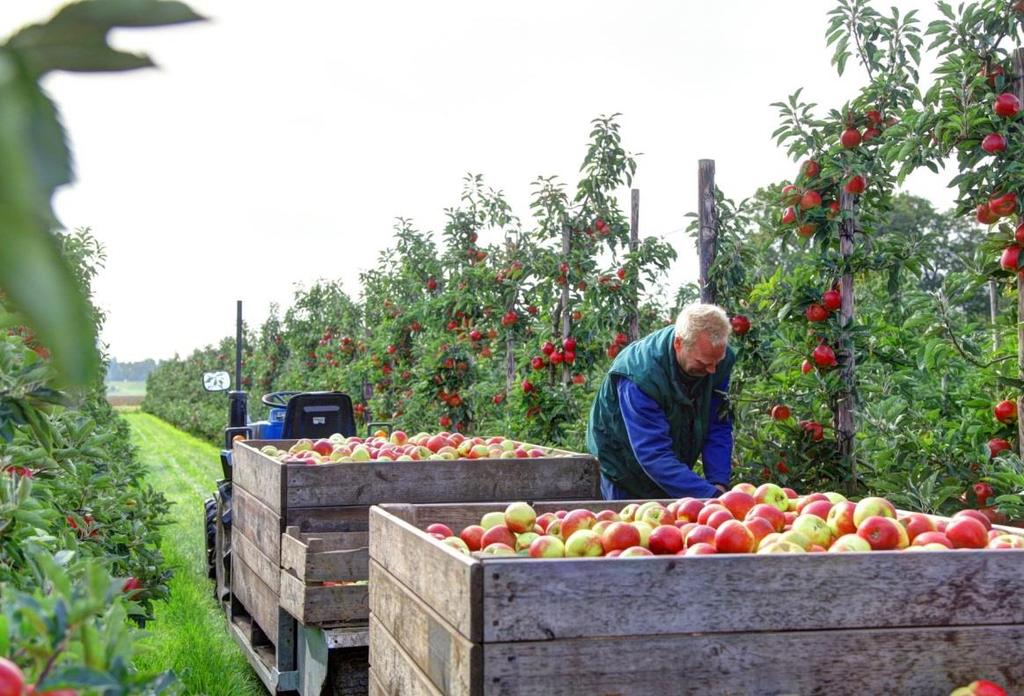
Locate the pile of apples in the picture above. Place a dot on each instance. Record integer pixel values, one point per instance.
(765, 519)
(400, 447)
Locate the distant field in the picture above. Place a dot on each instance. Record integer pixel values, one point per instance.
(126, 388)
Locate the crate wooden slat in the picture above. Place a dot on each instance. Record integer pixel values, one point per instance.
(315, 604)
(450, 661)
(396, 673)
(316, 557)
(245, 551)
(258, 523)
(930, 660)
(880, 622)
(256, 596)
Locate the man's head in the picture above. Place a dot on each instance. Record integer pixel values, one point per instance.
(702, 332)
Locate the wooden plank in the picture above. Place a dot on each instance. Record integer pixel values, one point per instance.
(452, 663)
(830, 663)
(267, 570)
(320, 604)
(258, 523)
(397, 674)
(530, 600)
(376, 688)
(265, 672)
(326, 556)
(372, 483)
(444, 579)
(257, 473)
(346, 518)
(254, 594)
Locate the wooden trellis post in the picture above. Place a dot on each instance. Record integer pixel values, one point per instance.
(708, 237)
(634, 244)
(566, 312)
(1018, 89)
(846, 399)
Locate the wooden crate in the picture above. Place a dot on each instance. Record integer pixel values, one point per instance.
(326, 501)
(880, 622)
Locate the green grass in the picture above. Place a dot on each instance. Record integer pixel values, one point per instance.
(189, 634)
(126, 388)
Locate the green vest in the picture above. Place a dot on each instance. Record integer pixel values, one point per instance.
(651, 364)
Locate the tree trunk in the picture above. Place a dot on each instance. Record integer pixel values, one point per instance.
(566, 311)
(708, 237)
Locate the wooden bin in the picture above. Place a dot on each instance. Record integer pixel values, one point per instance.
(310, 565)
(883, 622)
(325, 501)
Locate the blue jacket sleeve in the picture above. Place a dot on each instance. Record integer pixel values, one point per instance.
(649, 437)
(717, 452)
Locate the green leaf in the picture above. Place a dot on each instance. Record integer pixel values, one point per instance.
(76, 37)
(33, 274)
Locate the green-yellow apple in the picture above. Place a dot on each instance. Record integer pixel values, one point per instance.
(520, 517)
(491, 519)
(772, 494)
(781, 547)
(635, 552)
(360, 453)
(499, 549)
(834, 497)
(745, 488)
(645, 530)
(872, 507)
(547, 546)
(798, 538)
(848, 543)
(524, 540)
(814, 528)
(628, 513)
(457, 543)
(642, 510)
(583, 543)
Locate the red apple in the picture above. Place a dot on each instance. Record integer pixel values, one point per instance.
(620, 535)
(976, 514)
(442, 529)
(635, 552)
(818, 508)
(808, 499)
(689, 511)
(745, 487)
(925, 538)
(993, 143)
(708, 510)
(576, 520)
(759, 527)
(700, 549)
(733, 537)
(773, 515)
(1007, 105)
(1005, 411)
(498, 534)
(665, 540)
(701, 534)
(717, 519)
(473, 535)
(917, 523)
(882, 533)
(737, 502)
(966, 533)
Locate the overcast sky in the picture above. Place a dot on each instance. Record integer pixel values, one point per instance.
(278, 142)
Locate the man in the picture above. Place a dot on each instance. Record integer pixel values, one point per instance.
(658, 409)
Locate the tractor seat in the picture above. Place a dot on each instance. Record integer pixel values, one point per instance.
(318, 414)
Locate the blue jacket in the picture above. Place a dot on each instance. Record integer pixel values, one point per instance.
(649, 437)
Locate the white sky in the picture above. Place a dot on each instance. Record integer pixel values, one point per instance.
(277, 143)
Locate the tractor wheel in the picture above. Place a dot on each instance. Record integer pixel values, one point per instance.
(210, 509)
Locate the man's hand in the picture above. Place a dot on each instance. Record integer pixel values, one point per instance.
(720, 487)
